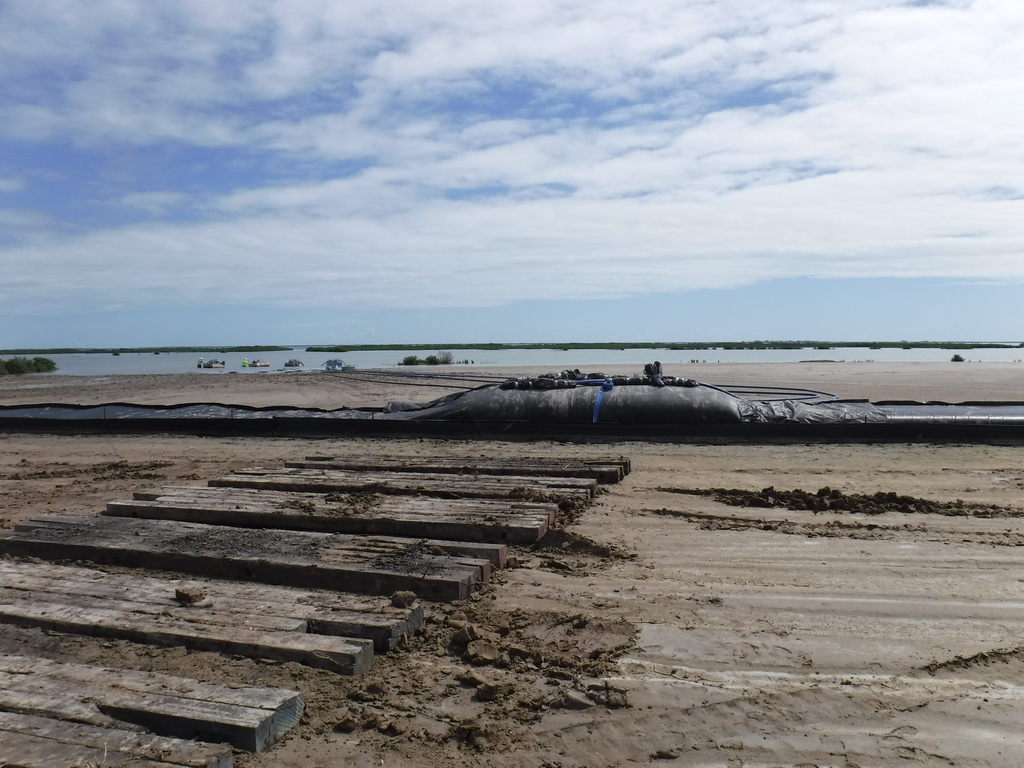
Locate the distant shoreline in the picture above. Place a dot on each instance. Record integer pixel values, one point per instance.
(492, 346)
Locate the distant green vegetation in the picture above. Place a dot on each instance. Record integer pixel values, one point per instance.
(139, 350)
(679, 345)
(25, 365)
(441, 358)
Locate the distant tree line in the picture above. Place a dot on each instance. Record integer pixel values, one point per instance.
(17, 365)
(441, 358)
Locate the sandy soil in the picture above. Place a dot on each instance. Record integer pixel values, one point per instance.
(660, 627)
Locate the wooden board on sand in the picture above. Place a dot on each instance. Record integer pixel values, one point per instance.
(365, 564)
(439, 485)
(481, 520)
(248, 718)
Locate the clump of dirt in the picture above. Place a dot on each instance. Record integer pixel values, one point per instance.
(476, 678)
(831, 500)
(335, 504)
(261, 542)
(418, 557)
(108, 470)
(559, 646)
(570, 507)
(352, 503)
(835, 529)
(305, 506)
(560, 541)
(985, 658)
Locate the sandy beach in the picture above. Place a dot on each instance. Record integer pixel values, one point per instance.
(725, 635)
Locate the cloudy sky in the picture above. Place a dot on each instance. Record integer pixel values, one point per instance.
(316, 171)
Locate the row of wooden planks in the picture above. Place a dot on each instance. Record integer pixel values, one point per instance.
(259, 548)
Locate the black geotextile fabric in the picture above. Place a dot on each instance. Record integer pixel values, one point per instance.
(187, 411)
(601, 402)
(593, 401)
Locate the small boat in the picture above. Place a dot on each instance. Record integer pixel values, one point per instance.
(214, 364)
(338, 365)
(293, 363)
(259, 364)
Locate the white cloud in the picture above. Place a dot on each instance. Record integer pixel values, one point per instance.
(618, 149)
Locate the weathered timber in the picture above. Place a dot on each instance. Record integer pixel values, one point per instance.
(372, 565)
(337, 548)
(226, 603)
(30, 741)
(346, 656)
(480, 520)
(199, 616)
(559, 489)
(602, 470)
(248, 718)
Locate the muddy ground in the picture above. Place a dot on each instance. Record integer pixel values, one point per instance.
(684, 619)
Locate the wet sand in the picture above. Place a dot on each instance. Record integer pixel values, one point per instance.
(723, 635)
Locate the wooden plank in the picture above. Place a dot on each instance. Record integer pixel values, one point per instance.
(416, 483)
(180, 719)
(362, 503)
(481, 520)
(327, 613)
(197, 616)
(249, 718)
(337, 548)
(28, 741)
(346, 656)
(281, 707)
(372, 565)
(602, 470)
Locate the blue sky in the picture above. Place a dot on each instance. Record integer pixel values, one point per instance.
(307, 171)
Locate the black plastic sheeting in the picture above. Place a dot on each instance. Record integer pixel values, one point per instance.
(201, 411)
(595, 401)
(633, 401)
(683, 402)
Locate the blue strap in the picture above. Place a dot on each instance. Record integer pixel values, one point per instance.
(605, 385)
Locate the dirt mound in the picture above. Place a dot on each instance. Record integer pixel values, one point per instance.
(475, 679)
(985, 658)
(831, 500)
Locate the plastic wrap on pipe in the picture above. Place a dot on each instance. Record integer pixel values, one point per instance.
(618, 405)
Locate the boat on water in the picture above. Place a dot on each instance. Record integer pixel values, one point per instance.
(293, 363)
(212, 364)
(259, 364)
(337, 365)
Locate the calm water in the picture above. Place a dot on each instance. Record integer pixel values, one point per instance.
(624, 361)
